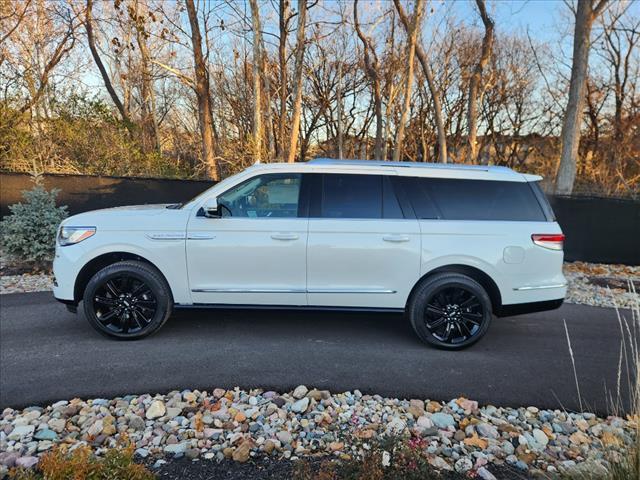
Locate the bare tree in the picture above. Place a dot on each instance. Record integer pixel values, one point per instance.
(412, 34)
(433, 89)
(621, 36)
(150, 133)
(6, 30)
(35, 46)
(284, 16)
(88, 23)
(475, 88)
(257, 62)
(339, 113)
(586, 13)
(372, 67)
(203, 95)
(297, 81)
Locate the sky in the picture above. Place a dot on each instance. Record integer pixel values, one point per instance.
(541, 17)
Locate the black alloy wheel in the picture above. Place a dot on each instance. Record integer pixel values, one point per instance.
(453, 314)
(450, 311)
(127, 300)
(124, 304)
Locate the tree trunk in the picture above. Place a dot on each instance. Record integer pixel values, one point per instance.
(284, 15)
(371, 69)
(435, 94)
(103, 71)
(150, 134)
(339, 103)
(297, 86)
(570, 136)
(205, 115)
(267, 100)
(257, 55)
(476, 78)
(412, 35)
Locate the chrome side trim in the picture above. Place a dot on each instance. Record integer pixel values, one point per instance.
(248, 290)
(200, 236)
(165, 236)
(348, 290)
(540, 287)
(287, 290)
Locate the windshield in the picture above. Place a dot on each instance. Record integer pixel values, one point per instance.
(197, 198)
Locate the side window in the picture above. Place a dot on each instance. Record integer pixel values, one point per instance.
(460, 199)
(272, 195)
(351, 196)
(543, 201)
(390, 205)
(422, 202)
(357, 196)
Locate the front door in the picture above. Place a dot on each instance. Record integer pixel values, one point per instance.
(255, 253)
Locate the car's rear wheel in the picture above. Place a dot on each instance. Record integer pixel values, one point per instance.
(450, 311)
(127, 300)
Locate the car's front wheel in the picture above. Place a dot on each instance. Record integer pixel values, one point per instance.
(127, 300)
(450, 311)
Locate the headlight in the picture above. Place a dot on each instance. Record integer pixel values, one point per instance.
(73, 235)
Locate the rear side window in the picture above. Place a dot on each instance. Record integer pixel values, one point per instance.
(357, 196)
(460, 199)
(543, 201)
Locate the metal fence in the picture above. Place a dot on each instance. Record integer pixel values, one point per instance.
(598, 229)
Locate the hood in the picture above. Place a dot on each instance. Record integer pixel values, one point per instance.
(135, 217)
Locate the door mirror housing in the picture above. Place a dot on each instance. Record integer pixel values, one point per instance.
(210, 208)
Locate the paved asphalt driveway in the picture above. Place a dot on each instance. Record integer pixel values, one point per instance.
(48, 354)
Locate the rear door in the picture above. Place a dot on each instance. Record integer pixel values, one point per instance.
(488, 224)
(363, 249)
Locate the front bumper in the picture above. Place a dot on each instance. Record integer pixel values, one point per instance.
(71, 305)
(66, 266)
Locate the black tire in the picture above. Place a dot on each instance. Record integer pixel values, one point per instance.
(450, 311)
(127, 300)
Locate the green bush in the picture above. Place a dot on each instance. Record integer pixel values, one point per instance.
(29, 232)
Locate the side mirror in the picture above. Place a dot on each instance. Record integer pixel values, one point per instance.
(211, 208)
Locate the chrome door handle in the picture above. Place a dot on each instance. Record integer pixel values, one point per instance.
(396, 238)
(284, 236)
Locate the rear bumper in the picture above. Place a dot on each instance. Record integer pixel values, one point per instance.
(530, 307)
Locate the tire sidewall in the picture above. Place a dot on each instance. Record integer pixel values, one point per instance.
(424, 292)
(141, 273)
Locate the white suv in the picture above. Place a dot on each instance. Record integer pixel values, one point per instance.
(450, 245)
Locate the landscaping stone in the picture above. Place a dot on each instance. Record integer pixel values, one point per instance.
(458, 436)
(156, 410)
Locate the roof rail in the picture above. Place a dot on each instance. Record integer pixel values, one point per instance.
(384, 163)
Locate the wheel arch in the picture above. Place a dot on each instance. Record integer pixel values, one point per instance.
(480, 276)
(99, 262)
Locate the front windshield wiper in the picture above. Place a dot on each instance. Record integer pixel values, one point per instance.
(174, 206)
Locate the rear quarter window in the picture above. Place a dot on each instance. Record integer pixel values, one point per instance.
(462, 199)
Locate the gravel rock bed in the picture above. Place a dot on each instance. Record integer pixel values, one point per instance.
(459, 436)
(27, 282)
(603, 285)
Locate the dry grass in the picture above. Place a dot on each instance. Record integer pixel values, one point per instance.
(81, 464)
(623, 460)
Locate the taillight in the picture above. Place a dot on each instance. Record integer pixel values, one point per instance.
(552, 241)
